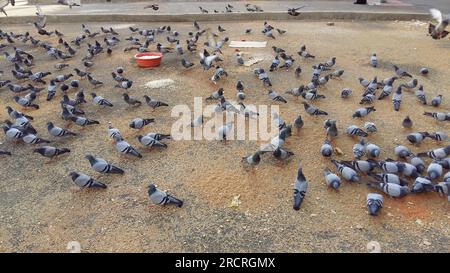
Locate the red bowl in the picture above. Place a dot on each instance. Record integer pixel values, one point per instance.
(148, 59)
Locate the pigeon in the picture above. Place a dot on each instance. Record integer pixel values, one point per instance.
(374, 60)
(82, 121)
(312, 110)
(303, 53)
(443, 188)
(438, 116)
(224, 131)
(159, 197)
(50, 151)
(300, 188)
(407, 122)
(422, 184)
(402, 151)
(372, 150)
(282, 154)
(436, 101)
(298, 122)
(445, 163)
(298, 71)
(416, 138)
(438, 31)
(330, 126)
(102, 166)
(3, 152)
(370, 127)
(346, 92)
(326, 150)
(275, 63)
(365, 83)
(69, 3)
(253, 159)
(154, 103)
(58, 131)
(397, 98)
(331, 179)
(400, 72)
(411, 84)
(114, 133)
(417, 162)
(12, 133)
(362, 112)
(216, 94)
(33, 139)
(434, 170)
(439, 153)
(420, 95)
(99, 100)
(391, 166)
(294, 11)
(149, 141)
(186, 63)
(393, 190)
(24, 102)
(353, 130)
(16, 114)
(388, 178)
(158, 136)
(152, 6)
(365, 166)
(93, 81)
(347, 173)
(438, 136)
(60, 66)
(130, 100)
(84, 181)
(247, 111)
(139, 123)
(124, 84)
(124, 147)
(374, 203)
(276, 97)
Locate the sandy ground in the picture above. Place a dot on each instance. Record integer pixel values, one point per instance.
(41, 211)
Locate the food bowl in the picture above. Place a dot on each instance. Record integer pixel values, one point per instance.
(148, 59)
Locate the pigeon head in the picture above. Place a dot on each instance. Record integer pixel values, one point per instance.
(73, 175)
(90, 158)
(151, 188)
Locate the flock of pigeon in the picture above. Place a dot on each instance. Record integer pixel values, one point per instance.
(390, 176)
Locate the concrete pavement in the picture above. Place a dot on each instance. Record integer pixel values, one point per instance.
(188, 11)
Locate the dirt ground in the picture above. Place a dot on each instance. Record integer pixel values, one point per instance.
(41, 211)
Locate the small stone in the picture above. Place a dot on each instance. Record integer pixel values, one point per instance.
(330, 24)
(359, 227)
(313, 215)
(425, 242)
(419, 222)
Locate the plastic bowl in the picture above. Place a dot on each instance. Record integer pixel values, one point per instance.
(148, 59)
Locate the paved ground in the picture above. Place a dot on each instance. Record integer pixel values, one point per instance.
(42, 212)
(396, 6)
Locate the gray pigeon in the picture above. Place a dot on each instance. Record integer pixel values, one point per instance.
(50, 152)
(84, 181)
(374, 203)
(331, 179)
(139, 123)
(300, 188)
(125, 148)
(102, 166)
(159, 197)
